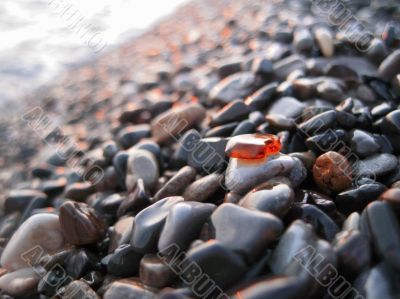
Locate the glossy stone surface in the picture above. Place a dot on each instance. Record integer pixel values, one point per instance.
(244, 231)
(41, 233)
(81, 224)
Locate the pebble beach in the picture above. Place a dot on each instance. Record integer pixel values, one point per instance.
(235, 149)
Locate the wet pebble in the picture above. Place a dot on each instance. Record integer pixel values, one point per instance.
(141, 164)
(375, 166)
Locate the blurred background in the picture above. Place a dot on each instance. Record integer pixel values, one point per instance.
(40, 38)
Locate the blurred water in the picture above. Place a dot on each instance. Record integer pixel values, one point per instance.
(37, 41)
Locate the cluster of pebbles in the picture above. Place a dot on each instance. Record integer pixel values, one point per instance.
(238, 149)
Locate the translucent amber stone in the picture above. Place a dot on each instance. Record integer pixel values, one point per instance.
(253, 146)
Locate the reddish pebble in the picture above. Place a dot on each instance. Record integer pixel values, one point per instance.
(253, 146)
(332, 172)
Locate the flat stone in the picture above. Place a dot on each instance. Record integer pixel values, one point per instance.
(155, 273)
(124, 261)
(357, 198)
(247, 232)
(262, 97)
(18, 200)
(375, 166)
(128, 289)
(244, 174)
(234, 111)
(79, 289)
(149, 224)
(42, 230)
(184, 223)
(269, 197)
(81, 224)
(131, 135)
(319, 122)
(20, 282)
(390, 66)
(177, 184)
(170, 124)
(233, 87)
(202, 189)
(288, 107)
(285, 66)
(223, 266)
(142, 164)
(324, 40)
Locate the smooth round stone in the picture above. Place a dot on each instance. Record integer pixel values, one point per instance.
(261, 98)
(53, 188)
(307, 158)
(222, 131)
(331, 91)
(341, 71)
(124, 262)
(297, 237)
(380, 282)
(110, 149)
(327, 141)
(257, 118)
(363, 143)
(149, 223)
(202, 189)
(128, 289)
(136, 201)
(79, 191)
(375, 166)
(321, 222)
(229, 66)
(186, 144)
(143, 165)
(18, 200)
(122, 229)
(235, 86)
(385, 231)
(277, 288)
(303, 40)
(223, 266)
(234, 111)
(245, 231)
(20, 282)
(262, 66)
(208, 154)
(324, 39)
(244, 174)
(244, 127)
(280, 122)
(285, 66)
(391, 122)
(177, 184)
(155, 273)
(39, 230)
(175, 121)
(332, 172)
(353, 251)
(131, 135)
(287, 106)
(352, 222)
(120, 165)
(390, 66)
(319, 122)
(184, 223)
(78, 262)
(392, 196)
(357, 198)
(273, 198)
(79, 289)
(9, 224)
(81, 224)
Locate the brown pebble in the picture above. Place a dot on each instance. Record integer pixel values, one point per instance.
(80, 224)
(332, 172)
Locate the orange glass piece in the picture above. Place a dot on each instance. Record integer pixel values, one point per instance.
(253, 146)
